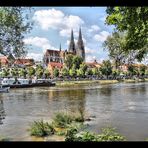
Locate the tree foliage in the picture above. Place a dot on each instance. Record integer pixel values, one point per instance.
(77, 60)
(68, 61)
(14, 23)
(56, 72)
(106, 68)
(115, 45)
(133, 21)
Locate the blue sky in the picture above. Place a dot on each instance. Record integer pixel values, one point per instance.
(52, 26)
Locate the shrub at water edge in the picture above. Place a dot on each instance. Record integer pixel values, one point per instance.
(40, 129)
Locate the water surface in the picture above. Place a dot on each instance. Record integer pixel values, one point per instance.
(122, 105)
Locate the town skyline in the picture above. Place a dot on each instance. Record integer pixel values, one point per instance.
(53, 25)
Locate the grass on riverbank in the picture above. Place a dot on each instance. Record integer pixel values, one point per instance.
(71, 83)
(135, 80)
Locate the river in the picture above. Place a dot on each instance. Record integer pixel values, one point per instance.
(121, 105)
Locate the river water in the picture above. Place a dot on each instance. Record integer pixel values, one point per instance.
(121, 105)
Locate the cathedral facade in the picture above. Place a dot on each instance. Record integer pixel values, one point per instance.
(58, 56)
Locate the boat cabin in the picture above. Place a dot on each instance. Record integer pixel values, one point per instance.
(13, 81)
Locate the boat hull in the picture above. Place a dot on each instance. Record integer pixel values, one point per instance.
(30, 85)
(4, 89)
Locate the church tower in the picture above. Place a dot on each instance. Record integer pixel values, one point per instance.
(80, 46)
(60, 47)
(72, 44)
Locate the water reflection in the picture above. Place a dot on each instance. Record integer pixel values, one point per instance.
(2, 111)
(124, 106)
(106, 91)
(67, 100)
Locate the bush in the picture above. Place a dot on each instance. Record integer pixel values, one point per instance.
(62, 120)
(40, 129)
(109, 134)
(70, 135)
(86, 136)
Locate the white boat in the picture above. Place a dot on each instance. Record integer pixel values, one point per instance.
(13, 81)
(23, 83)
(4, 89)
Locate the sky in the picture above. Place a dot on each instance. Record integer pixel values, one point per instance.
(52, 27)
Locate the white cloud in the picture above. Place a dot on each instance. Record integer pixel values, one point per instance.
(56, 19)
(90, 58)
(50, 18)
(102, 36)
(89, 51)
(94, 28)
(35, 56)
(39, 42)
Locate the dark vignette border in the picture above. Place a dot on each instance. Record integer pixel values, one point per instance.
(73, 2)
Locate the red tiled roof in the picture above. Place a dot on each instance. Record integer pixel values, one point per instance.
(23, 61)
(55, 64)
(4, 60)
(49, 51)
(93, 63)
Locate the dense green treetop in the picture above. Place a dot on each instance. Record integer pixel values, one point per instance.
(133, 21)
(14, 24)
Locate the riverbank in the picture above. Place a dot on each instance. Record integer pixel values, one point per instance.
(70, 83)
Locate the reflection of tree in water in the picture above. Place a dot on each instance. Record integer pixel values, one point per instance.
(2, 112)
(106, 91)
(68, 100)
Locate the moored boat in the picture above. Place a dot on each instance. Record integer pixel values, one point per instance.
(24, 83)
(4, 89)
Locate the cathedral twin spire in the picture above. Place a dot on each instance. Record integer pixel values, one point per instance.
(79, 49)
(72, 44)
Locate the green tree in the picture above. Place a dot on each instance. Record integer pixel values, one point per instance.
(106, 68)
(47, 73)
(68, 61)
(65, 72)
(30, 71)
(39, 71)
(56, 72)
(14, 72)
(80, 72)
(133, 21)
(5, 73)
(115, 44)
(72, 71)
(142, 70)
(23, 72)
(115, 73)
(95, 71)
(14, 24)
(77, 60)
(83, 67)
(89, 72)
(132, 70)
